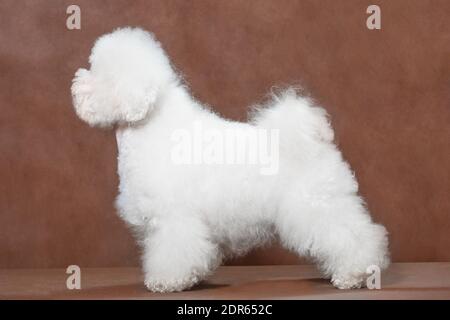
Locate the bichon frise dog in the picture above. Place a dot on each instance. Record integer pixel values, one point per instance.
(191, 215)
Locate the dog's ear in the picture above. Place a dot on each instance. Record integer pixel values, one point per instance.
(135, 103)
(128, 71)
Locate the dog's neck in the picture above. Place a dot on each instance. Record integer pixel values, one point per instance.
(175, 100)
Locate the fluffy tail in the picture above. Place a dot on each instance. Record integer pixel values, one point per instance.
(297, 119)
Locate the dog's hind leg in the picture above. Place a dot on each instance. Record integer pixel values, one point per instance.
(178, 254)
(337, 232)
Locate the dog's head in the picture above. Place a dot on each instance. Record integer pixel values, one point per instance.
(128, 71)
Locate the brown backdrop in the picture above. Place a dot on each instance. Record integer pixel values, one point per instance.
(387, 92)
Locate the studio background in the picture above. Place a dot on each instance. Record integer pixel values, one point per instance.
(387, 92)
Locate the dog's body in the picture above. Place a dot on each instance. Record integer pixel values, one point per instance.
(189, 217)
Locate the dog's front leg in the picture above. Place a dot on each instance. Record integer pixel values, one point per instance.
(178, 254)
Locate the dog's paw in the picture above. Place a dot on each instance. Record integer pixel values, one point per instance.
(348, 282)
(172, 285)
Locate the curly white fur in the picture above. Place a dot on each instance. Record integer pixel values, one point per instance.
(191, 217)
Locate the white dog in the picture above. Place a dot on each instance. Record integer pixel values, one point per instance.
(190, 217)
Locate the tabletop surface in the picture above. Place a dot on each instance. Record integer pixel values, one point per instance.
(400, 281)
